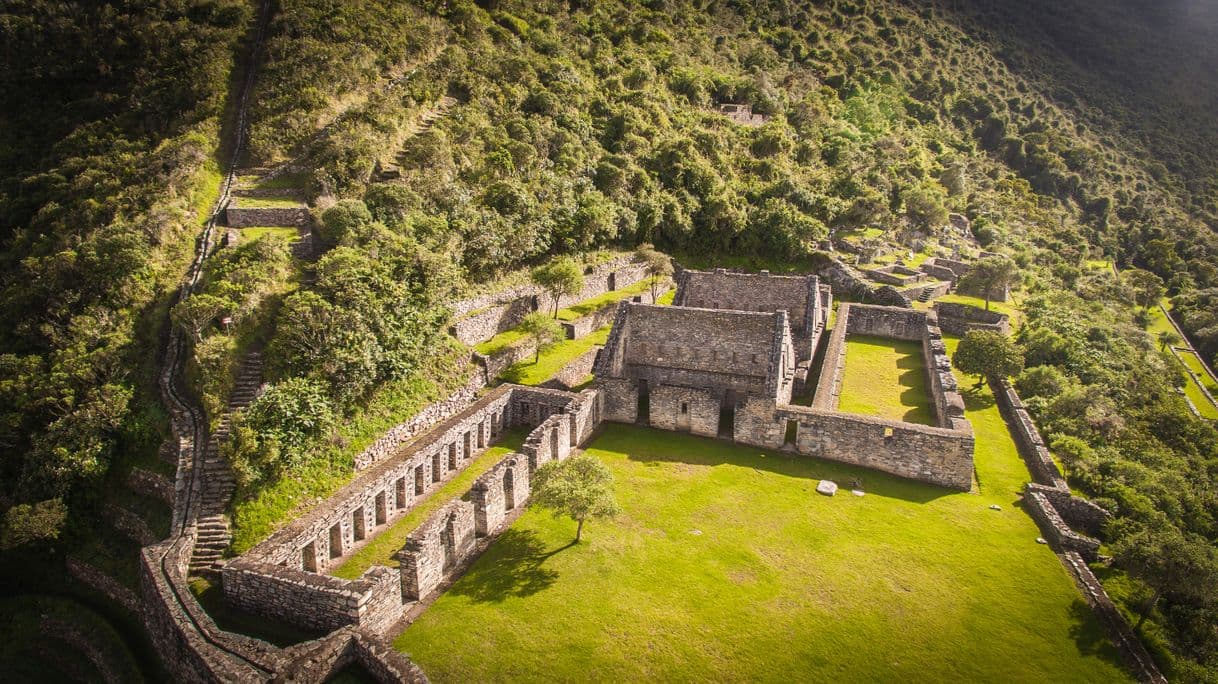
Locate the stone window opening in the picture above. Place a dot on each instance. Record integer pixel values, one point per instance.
(466, 450)
(448, 541)
(482, 434)
(554, 444)
(399, 493)
(684, 408)
(308, 558)
(509, 490)
(452, 456)
(381, 508)
(435, 467)
(887, 435)
(358, 524)
(418, 480)
(336, 541)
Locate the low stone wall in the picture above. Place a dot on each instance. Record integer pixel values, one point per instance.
(242, 217)
(936, 455)
(485, 324)
(576, 372)
(1079, 513)
(432, 552)
(958, 319)
(829, 386)
(389, 443)
(151, 484)
(316, 662)
(1056, 529)
(1027, 437)
(586, 325)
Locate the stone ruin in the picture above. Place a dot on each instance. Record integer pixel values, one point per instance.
(285, 577)
(741, 114)
(730, 367)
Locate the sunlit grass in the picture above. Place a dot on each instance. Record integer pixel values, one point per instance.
(886, 378)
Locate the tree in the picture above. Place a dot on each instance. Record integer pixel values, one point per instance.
(559, 277)
(659, 266)
(542, 330)
(989, 275)
(341, 222)
(1168, 561)
(579, 487)
(1145, 287)
(25, 523)
(198, 311)
(986, 353)
(1168, 338)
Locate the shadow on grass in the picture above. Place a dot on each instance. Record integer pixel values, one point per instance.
(976, 398)
(1089, 635)
(649, 445)
(512, 566)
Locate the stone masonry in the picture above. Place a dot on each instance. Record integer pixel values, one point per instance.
(703, 370)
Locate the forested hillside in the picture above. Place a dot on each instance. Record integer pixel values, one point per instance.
(1070, 134)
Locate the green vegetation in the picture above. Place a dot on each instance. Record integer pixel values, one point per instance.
(284, 232)
(719, 544)
(380, 549)
(553, 359)
(577, 311)
(886, 378)
(27, 655)
(987, 354)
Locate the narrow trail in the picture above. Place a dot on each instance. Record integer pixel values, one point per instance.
(190, 424)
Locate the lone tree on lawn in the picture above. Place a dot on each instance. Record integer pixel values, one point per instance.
(542, 330)
(1146, 287)
(659, 266)
(559, 277)
(579, 487)
(1168, 338)
(991, 274)
(986, 353)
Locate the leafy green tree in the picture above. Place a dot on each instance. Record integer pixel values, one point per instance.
(541, 330)
(1168, 338)
(986, 353)
(924, 205)
(658, 267)
(195, 313)
(1169, 561)
(26, 523)
(341, 222)
(560, 277)
(580, 487)
(990, 275)
(1145, 287)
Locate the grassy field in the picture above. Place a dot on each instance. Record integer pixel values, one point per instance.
(1158, 324)
(280, 202)
(576, 311)
(886, 378)
(726, 565)
(380, 549)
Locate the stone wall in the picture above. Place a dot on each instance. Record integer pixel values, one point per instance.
(283, 577)
(1079, 513)
(242, 217)
(388, 444)
(685, 409)
(1027, 437)
(498, 492)
(799, 296)
(930, 454)
(1056, 530)
(576, 372)
(958, 319)
(882, 321)
(586, 325)
(829, 386)
(480, 318)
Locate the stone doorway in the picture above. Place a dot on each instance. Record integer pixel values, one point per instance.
(727, 415)
(644, 406)
(509, 490)
(682, 420)
(449, 542)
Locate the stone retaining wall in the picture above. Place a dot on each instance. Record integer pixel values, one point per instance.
(1027, 437)
(389, 443)
(1056, 529)
(882, 321)
(576, 372)
(958, 319)
(243, 217)
(586, 325)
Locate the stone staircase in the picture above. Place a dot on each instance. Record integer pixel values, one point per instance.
(925, 295)
(424, 124)
(214, 534)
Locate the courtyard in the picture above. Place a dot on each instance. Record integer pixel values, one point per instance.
(727, 565)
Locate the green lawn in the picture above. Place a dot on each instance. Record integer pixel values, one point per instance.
(380, 550)
(1158, 324)
(554, 359)
(286, 232)
(588, 306)
(885, 377)
(726, 565)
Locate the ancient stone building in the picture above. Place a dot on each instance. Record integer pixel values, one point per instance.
(805, 300)
(726, 359)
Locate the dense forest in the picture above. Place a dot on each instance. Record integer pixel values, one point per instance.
(1068, 133)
